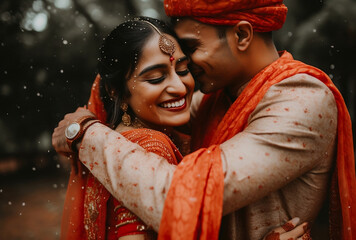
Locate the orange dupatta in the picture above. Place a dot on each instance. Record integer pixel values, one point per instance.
(72, 225)
(193, 207)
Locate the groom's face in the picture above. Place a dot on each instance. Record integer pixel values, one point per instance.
(213, 63)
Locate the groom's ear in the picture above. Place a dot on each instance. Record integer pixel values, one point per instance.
(243, 35)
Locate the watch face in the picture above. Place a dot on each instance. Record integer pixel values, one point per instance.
(72, 130)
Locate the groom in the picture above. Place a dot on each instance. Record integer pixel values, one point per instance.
(268, 134)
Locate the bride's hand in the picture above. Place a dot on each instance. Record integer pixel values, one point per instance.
(290, 231)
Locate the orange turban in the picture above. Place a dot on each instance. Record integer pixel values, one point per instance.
(264, 15)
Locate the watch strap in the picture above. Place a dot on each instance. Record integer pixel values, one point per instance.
(83, 126)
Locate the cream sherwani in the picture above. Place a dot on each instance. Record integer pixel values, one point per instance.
(277, 168)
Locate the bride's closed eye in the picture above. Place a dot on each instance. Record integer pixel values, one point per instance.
(156, 80)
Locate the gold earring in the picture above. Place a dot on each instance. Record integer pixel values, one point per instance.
(126, 119)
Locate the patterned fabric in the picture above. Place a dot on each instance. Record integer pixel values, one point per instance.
(275, 169)
(280, 165)
(193, 207)
(96, 196)
(115, 152)
(88, 202)
(235, 120)
(264, 15)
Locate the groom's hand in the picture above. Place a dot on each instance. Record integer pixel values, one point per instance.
(59, 140)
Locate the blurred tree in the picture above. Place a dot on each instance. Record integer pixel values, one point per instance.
(49, 50)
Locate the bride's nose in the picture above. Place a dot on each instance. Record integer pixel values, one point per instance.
(176, 86)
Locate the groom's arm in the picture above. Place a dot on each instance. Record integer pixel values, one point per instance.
(285, 138)
(140, 180)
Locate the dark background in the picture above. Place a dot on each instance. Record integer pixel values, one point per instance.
(48, 53)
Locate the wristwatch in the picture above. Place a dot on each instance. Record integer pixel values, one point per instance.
(75, 131)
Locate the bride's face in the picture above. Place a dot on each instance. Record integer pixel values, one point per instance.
(161, 90)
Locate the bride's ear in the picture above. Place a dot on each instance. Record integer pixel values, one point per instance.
(243, 35)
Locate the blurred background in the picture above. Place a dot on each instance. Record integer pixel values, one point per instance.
(48, 54)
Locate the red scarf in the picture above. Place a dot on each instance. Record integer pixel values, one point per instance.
(193, 207)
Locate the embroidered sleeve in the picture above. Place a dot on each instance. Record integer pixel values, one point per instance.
(288, 145)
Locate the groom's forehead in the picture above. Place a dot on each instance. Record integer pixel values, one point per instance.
(188, 28)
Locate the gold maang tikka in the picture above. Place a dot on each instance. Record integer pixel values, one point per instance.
(165, 44)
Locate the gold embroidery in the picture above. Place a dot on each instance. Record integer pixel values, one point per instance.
(92, 201)
(126, 222)
(124, 215)
(141, 228)
(117, 207)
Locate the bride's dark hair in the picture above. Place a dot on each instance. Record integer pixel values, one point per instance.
(119, 56)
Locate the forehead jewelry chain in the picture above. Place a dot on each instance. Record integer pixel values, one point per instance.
(165, 44)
